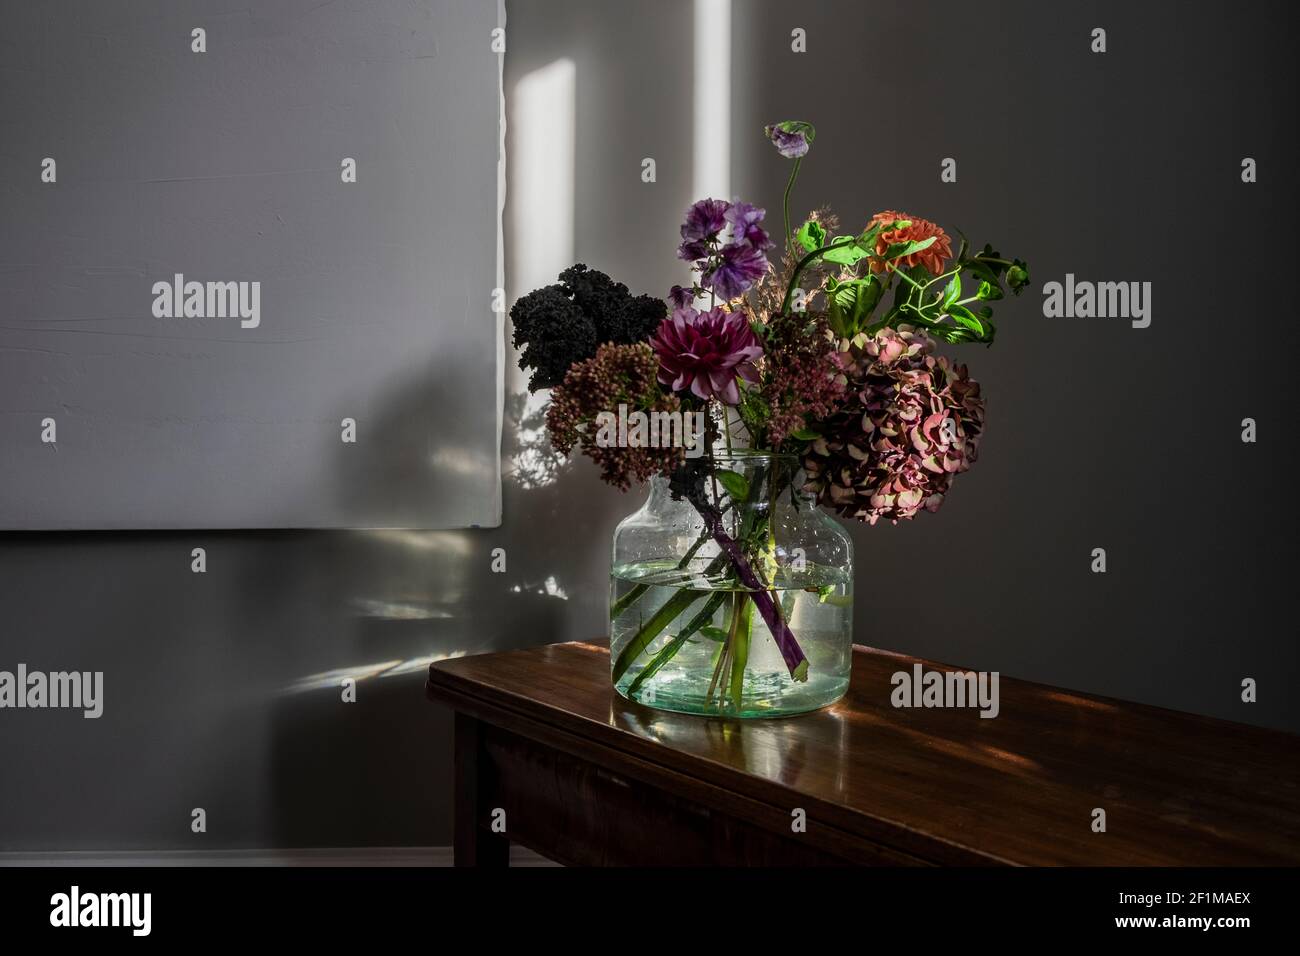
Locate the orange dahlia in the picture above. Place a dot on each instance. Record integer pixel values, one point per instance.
(933, 258)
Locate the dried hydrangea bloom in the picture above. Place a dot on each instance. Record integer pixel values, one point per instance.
(912, 420)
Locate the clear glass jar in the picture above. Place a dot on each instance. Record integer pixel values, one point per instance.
(731, 593)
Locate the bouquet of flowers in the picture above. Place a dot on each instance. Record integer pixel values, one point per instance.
(819, 350)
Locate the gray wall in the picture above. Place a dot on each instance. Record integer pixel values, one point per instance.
(1117, 166)
(1122, 166)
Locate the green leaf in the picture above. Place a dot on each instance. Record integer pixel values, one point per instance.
(869, 235)
(967, 319)
(897, 314)
(980, 329)
(837, 318)
(984, 271)
(900, 249)
(736, 484)
(987, 276)
(846, 254)
(851, 303)
(869, 292)
(811, 235)
(841, 292)
(713, 633)
(952, 293)
(805, 434)
(840, 297)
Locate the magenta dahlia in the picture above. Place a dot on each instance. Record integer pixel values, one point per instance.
(704, 352)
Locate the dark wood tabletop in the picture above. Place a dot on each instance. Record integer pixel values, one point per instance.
(893, 785)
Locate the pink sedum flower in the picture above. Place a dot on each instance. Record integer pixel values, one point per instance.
(705, 352)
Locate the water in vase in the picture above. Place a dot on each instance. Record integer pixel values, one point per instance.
(684, 641)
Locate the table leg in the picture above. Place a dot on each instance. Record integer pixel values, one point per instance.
(475, 843)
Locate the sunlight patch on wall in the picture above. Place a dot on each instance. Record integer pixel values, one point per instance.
(543, 126)
(712, 92)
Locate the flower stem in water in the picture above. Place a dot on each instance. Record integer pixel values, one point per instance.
(721, 667)
(666, 614)
(669, 650)
(740, 652)
(630, 598)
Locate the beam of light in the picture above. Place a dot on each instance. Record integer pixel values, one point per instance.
(712, 94)
(332, 680)
(399, 610)
(456, 544)
(543, 125)
(543, 133)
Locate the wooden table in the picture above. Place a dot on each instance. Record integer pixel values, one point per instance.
(587, 778)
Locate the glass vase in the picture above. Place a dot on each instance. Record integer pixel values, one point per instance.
(731, 593)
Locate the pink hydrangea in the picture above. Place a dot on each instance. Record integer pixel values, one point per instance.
(912, 420)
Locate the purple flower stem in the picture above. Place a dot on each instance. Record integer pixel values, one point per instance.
(795, 659)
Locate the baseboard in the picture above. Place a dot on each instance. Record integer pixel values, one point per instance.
(344, 857)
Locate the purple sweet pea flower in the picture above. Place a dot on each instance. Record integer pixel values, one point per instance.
(745, 219)
(681, 297)
(692, 250)
(705, 219)
(738, 267)
(791, 138)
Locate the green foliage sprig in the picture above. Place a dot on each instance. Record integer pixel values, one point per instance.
(852, 300)
(934, 303)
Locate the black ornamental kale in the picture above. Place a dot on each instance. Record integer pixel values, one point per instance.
(564, 323)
